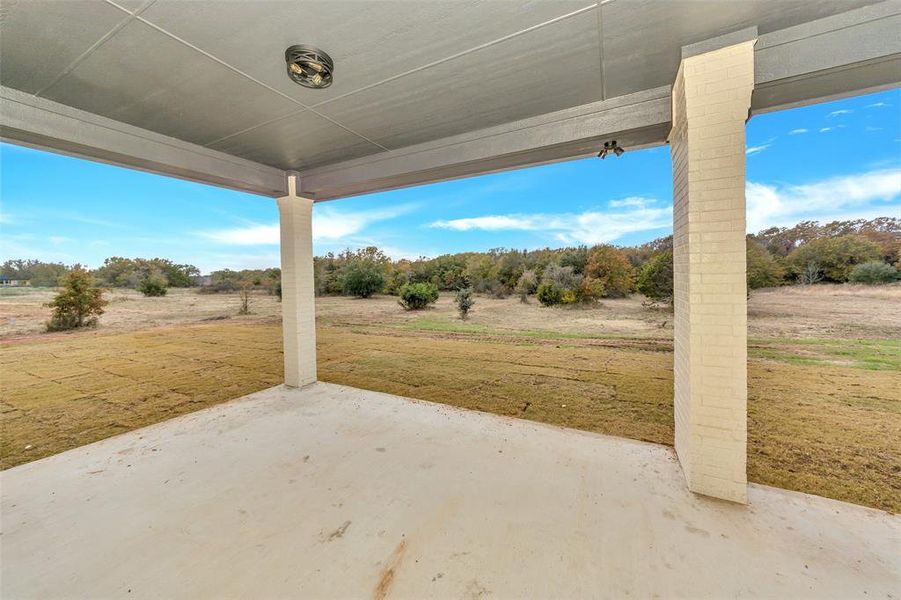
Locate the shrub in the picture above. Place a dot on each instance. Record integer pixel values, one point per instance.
(763, 269)
(153, 285)
(550, 294)
(810, 274)
(416, 296)
(244, 297)
(563, 277)
(362, 278)
(464, 302)
(874, 272)
(610, 267)
(655, 280)
(78, 304)
(836, 256)
(526, 285)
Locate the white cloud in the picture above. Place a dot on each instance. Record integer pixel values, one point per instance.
(865, 195)
(632, 202)
(797, 131)
(589, 227)
(871, 128)
(825, 129)
(756, 149)
(878, 105)
(844, 111)
(329, 223)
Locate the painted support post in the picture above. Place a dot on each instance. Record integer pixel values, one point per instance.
(298, 302)
(711, 100)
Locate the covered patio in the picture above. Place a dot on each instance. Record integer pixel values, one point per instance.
(317, 490)
(335, 492)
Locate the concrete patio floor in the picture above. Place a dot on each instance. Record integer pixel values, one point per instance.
(332, 491)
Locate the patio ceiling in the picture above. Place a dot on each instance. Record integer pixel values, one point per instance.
(212, 73)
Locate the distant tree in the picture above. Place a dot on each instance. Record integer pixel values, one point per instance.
(811, 273)
(464, 302)
(179, 276)
(47, 274)
(610, 268)
(363, 278)
(836, 256)
(874, 273)
(35, 272)
(763, 268)
(78, 304)
(655, 280)
(577, 258)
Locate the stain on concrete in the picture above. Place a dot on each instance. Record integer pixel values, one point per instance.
(379, 449)
(336, 534)
(696, 530)
(475, 590)
(389, 571)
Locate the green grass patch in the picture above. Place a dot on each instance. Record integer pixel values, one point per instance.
(441, 326)
(873, 355)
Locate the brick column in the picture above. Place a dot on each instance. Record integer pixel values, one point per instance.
(298, 303)
(711, 98)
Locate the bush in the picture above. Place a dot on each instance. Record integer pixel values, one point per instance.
(464, 302)
(153, 286)
(78, 304)
(763, 269)
(416, 296)
(550, 294)
(362, 278)
(526, 285)
(562, 277)
(655, 280)
(874, 272)
(611, 271)
(836, 257)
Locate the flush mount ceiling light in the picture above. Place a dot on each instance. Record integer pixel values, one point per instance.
(610, 147)
(309, 66)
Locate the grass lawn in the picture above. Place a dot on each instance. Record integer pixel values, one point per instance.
(824, 414)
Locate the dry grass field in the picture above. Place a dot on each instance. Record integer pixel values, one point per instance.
(824, 371)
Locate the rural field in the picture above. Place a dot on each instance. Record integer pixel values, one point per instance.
(824, 371)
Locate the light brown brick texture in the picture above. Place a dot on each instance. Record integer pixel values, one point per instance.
(298, 302)
(711, 98)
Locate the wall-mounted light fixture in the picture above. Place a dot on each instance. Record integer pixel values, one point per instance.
(610, 147)
(309, 66)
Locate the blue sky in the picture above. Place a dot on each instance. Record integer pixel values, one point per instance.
(835, 160)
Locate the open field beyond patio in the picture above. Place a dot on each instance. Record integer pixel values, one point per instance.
(824, 371)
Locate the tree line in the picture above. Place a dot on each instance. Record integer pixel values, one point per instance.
(865, 251)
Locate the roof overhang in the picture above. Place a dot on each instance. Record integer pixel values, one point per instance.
(851, 52)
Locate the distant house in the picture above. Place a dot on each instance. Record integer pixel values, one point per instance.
(5, 281)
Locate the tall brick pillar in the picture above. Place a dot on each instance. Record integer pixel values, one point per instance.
(711, 99)
(298, 302)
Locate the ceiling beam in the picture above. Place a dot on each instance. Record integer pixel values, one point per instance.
(636, 120)
(851, 53)
(39, 123)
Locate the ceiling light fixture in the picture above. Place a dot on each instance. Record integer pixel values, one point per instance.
(610, 147)
(309, 66)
